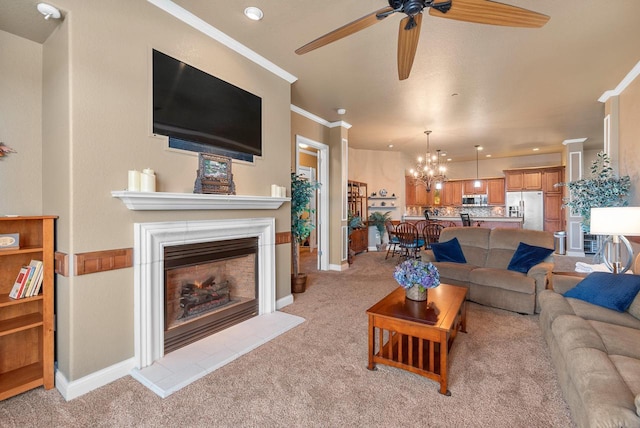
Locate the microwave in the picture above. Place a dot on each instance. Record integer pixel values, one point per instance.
(474, 200)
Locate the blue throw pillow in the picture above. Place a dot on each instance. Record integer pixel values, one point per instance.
(527, 256)
(449, 251)
(608, 290)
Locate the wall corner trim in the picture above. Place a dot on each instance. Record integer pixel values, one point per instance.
(76, 388)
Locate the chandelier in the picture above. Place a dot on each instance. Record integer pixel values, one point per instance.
(428, 170)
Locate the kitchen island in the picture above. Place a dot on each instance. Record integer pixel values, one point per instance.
(491, 222)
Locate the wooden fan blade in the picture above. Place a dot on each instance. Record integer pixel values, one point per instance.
(344, 31)
(407, 45)
(490, 12)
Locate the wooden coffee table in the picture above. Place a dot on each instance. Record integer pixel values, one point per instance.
(417, 336)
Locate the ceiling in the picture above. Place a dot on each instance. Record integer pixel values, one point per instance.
(507, 89)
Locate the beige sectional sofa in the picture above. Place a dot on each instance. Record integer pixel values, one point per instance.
(488, 253)
(596, 353)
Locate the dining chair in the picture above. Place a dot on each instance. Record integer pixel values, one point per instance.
(407, 235)
(420, 225)
(466, 219)
(392, 245)
(432, 233)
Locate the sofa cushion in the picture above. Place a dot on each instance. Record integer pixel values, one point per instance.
(634, 309)
(459, 272)
(505, 279)
(473, 240)
(607, 290)
(618, 340)
(504, 242)
(527, 256)
(448, 251)
(589, 311)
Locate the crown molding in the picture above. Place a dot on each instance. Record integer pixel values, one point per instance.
(318, 119)
(635, 71)
(192, 20)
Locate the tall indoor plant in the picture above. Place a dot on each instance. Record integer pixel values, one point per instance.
(302, 191)
(601, 189)
(378, 220)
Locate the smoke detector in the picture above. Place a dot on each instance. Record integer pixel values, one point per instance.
(48, 11)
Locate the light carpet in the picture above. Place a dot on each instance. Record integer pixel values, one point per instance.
(315, 375)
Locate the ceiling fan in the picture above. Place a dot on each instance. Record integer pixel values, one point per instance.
(478, 11)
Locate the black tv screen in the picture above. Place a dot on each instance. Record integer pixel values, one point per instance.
(191, 106)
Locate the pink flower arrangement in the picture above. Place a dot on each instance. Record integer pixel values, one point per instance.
(5, 150)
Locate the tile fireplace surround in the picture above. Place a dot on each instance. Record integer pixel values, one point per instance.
(167, 374)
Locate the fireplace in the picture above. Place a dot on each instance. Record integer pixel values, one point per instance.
(150, 242)
(208, 287)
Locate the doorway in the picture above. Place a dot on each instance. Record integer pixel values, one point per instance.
(308, 151)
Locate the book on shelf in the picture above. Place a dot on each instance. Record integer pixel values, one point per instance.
(37, 280)
(36, 268)
(21, 280)
(27, 284)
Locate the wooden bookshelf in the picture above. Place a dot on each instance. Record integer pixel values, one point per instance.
(26, 325)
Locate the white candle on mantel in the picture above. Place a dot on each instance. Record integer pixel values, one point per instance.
(274, 190)
(147, 180)
(133, 184)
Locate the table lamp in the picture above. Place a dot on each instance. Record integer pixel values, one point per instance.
(616, 222)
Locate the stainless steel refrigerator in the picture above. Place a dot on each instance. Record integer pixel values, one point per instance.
(529, 205)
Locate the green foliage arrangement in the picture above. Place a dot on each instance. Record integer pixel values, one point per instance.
(602, 189)
(301, 192)
(378, 220)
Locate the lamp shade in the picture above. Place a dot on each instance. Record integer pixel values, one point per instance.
(615, 221)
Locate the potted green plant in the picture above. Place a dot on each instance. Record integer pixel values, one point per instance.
(302, 191)
(378, 219)
(602, 189)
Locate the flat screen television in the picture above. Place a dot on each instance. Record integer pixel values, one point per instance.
(202, 113)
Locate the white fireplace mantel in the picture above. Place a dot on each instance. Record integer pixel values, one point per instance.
(195, 201)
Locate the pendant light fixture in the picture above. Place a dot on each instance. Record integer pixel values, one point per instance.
(477, 183)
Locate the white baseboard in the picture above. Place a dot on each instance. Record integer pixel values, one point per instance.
(576, 254)
(339, 268)
(285, 301)
(76, 388)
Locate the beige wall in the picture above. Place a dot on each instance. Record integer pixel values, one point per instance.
(380, 170)
(21, 125)
(96, 104)
(332, 137)
(629, 144)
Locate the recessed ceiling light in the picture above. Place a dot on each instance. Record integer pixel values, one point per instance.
(48, 11)
(390, 145)
(341, 111)
(448, 159)
(479, 148)
(488, 156)
(535, 149)
(253, 13)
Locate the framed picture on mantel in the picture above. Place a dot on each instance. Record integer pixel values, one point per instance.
(214, 175)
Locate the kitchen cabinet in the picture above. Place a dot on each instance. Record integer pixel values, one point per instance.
(469, 188)
(550, 177)
(523, 180)
(416, 193)
(495, 191)
(553, 220)
(452, 193)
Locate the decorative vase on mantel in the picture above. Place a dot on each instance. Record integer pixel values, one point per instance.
(414, 293)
